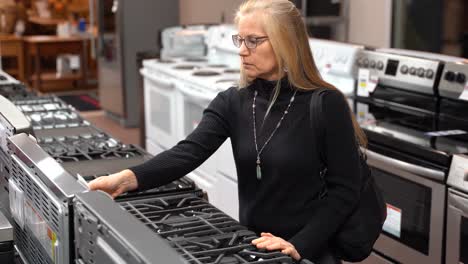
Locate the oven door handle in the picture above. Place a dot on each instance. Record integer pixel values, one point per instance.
(195, 94)
(159, 81)
(459, 201)
(405, 166)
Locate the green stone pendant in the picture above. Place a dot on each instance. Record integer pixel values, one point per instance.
(259, 170)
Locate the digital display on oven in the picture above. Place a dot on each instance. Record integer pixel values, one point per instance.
(392, 67)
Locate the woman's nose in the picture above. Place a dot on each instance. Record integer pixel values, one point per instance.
(243, 50)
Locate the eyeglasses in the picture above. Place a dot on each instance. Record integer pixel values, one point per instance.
(251, 42)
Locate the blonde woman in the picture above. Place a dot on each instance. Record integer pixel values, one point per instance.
(267, 120)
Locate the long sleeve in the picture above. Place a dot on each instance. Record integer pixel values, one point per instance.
(342, 179)
(191, 152)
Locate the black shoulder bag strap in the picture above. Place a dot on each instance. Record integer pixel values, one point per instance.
(318, 131)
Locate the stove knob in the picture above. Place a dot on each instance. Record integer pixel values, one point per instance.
(359, 62)
(420, 72)
(461, 78)
(365, 63)
(449, 76)
(412, 70)
(404, 69)
(372, 64)
(380, 65)
(429, 74)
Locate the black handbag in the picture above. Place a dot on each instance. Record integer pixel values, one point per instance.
(356, 237)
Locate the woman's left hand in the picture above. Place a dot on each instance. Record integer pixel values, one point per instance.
(271, 242)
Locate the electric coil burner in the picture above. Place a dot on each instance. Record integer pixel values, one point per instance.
(206, 73)
(186, 67)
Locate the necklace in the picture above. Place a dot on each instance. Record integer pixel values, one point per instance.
(259, 169)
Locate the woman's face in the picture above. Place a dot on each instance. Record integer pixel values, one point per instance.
(259, 62)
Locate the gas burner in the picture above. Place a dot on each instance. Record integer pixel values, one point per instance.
(54, 119)
(232, 71)
(181, 216)
(205, 73)
(217, 66)
(195, 59)
(232, 248)
(185, 67)
(87, 147)
(165, 61)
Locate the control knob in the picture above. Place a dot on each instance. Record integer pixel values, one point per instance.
(380, 65)
(449, 76)
(429, 74)
(412, 70)
(420, 72)
(404, 69)
(461, 78)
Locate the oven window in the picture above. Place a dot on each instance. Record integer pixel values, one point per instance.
(160, 106)
(464, 241)
(408, 208)
(192, 115)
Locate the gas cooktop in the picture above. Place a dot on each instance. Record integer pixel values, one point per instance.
(51, 119)
(91, 155)
(200, 232)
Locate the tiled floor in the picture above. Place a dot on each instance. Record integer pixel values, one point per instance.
(112, 127)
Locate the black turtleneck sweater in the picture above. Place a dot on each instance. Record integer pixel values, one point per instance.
(284, 202)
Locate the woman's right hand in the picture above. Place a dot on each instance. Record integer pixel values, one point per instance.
(115, 184)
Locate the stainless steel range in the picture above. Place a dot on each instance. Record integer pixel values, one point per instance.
(397, 106)
(198, 231)
(12, 122)
(41, 194)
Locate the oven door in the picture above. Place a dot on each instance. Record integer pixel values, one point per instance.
(160, 109)
(413, 231)
(457, 227)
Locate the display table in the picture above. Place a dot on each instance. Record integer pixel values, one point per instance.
(11, 46)
(52, 46)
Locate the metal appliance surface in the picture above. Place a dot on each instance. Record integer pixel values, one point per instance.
(12, 122)
(119, 40)
(336, 63)
(200, 232)
(107, 234)
(399, 114)
(7, 252)
(41, 193)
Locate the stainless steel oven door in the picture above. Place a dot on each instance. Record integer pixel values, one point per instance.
(457, 227)
(413, 231)
(160, 108)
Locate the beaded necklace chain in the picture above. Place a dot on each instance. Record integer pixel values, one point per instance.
(259, 169)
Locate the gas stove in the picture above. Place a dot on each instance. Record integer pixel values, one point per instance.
(13, 91)
(198, 231)
(91, 155)
(41, 104)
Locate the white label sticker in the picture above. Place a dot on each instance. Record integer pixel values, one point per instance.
(16, 196)
(373, 81)
(464, 94)
(392, 224)
(363, 80)
(445, 133)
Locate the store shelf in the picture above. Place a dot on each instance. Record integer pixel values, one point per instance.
(52, 76)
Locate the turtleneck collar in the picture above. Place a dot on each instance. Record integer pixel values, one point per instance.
(265, 88)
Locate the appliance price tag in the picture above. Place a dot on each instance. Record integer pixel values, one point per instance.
(16, 196)
(464, 94)
(372, 84)
(392, 224)
(363, 80)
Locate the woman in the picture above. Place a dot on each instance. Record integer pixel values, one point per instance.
(267, 119)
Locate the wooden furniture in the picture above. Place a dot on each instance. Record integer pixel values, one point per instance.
(11, 47)
(52, 46)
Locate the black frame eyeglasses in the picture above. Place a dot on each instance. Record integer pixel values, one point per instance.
(251, 42)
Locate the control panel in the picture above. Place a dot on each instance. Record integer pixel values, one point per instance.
(404, 72)
(335, 58)
(454, 80)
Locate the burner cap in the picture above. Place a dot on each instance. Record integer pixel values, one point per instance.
(232, 71)
(165, 61)
(195, 59)
(206, 73)
(217, 65)
(185, 67)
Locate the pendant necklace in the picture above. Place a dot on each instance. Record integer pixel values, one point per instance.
(259, 168)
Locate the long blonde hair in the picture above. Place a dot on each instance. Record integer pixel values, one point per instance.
(288, 36)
